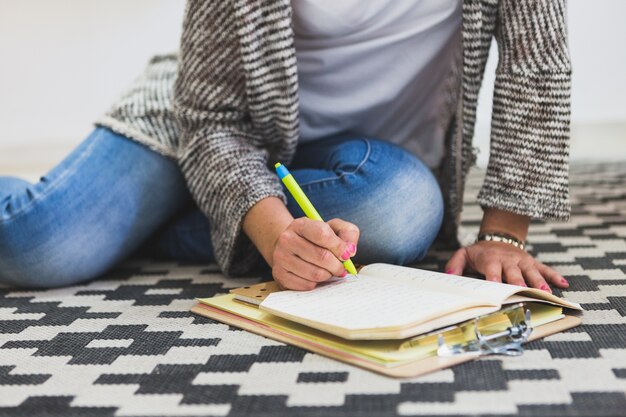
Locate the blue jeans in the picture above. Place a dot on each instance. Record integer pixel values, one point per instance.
(112, 196)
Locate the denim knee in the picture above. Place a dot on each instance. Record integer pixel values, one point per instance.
(402, 215)
(88, 213)
(30, 260)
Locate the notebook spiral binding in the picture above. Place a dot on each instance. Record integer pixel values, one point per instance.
(507, 342)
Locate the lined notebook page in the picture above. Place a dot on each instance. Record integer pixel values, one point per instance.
(494, 293)
(491, 292)
(366, 302)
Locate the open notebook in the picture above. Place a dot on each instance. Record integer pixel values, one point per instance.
(379, 354)
(381, 319)
(393, 302)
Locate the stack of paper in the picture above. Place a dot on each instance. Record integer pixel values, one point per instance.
(378, 319)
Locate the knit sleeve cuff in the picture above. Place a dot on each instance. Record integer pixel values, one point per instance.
(227, 176)
(528, 165)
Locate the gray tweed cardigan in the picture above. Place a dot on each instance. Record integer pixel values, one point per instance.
(227, 106)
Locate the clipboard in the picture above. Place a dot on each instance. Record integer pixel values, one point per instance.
(447, 355)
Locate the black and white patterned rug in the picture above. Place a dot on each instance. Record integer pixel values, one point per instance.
(126, 345)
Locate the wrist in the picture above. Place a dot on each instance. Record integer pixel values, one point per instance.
(500, 222)
(264, 223)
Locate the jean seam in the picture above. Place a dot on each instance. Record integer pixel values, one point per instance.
(343, 174)
(54, 185)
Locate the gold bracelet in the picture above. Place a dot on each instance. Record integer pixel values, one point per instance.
(499, 237)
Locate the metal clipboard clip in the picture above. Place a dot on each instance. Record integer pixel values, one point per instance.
(500, 333)
(504, 342)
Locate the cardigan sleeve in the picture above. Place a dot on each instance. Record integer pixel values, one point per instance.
(220, 155)
(528, 164)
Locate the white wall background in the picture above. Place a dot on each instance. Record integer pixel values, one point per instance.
(62, 62)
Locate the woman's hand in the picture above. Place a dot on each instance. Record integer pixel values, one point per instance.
(502, 262)
(301, 252)
(311, 251)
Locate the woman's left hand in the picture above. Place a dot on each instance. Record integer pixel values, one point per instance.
(502, 262)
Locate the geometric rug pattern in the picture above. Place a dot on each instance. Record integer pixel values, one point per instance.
(127, 345)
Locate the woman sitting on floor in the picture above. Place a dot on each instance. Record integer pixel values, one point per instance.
(363, 101)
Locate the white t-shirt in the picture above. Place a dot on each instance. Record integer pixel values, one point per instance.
(376, 68)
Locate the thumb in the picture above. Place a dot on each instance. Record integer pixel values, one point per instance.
(458, 261)
(347, 232)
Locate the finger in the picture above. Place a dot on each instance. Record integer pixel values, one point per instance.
(552, 276)
(493, 272)
(321, 234)
(348, 232)
(513, 275)
(317, 255)
(289, 281)
(302, 268)
(535, 279)
(456, 264)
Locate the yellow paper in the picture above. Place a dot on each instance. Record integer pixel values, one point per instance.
(385, 352)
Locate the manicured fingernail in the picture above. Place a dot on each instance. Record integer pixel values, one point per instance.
(352, 248)
(523, 284)
(545, 288)
(450, 271)
(346, 255)
(344, 273)
(564, 281)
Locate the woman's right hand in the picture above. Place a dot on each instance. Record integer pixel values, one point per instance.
(308, 252)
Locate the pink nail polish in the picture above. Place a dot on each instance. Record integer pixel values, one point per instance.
(564, 281)
(344, 273)
(523, 284)
(346, 255)
(351, 248)
(545, 288)
(450, 271)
